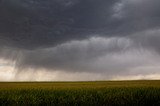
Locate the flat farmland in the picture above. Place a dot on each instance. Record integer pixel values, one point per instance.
(95, 93)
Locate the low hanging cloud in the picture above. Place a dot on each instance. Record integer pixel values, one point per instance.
(93, 55)
(105, 37)
(74, 56)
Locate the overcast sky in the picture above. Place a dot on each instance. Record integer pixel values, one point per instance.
(72, 40)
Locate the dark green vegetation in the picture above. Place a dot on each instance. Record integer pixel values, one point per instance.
(109, 93)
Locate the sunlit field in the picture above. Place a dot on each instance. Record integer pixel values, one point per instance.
(99, 93)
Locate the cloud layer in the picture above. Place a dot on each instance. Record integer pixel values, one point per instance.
(104, 37)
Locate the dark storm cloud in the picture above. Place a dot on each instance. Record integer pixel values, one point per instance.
(35, 23)
(79, 35)
(31, 24)
(137, 15)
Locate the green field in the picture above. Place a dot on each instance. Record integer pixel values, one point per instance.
(99, 93)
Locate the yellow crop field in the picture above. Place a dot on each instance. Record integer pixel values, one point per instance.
(98, 93)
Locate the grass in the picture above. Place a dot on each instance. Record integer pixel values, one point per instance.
(99, 93)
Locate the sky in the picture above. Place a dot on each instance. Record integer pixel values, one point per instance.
(79, 40)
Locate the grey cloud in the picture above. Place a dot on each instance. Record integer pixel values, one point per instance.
(80, 35)
(149, 39)
(137, 15)
(76, 55)
(29, 24)
(111, 56)
(32, 24)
